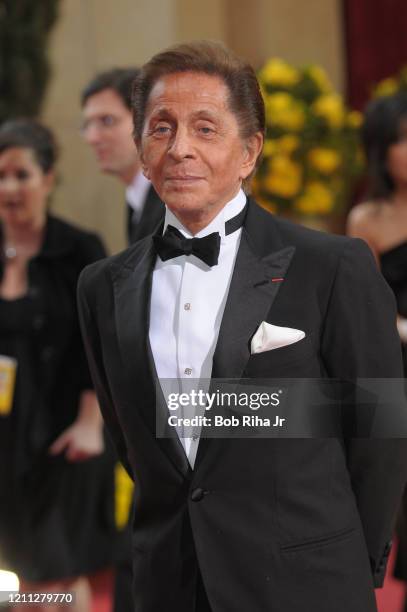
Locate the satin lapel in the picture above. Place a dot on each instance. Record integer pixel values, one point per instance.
(253, 289)
(132, 290)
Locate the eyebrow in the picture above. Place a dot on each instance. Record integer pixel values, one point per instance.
(164, 112)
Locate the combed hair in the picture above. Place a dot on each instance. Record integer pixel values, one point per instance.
(33, 135)
(119, 79)
(382, 128)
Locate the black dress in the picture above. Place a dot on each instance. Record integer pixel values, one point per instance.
(56, 517)
(394, 269)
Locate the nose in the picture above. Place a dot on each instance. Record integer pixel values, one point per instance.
(91, 133)
(9, 185)
(181, 146)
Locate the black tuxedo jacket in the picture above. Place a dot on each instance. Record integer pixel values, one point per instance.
(152, 213)
(282, 525)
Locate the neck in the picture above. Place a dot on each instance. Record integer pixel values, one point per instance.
(399, 197)
(128, 174)
(196, 220)
(195, 223)
(24, 234)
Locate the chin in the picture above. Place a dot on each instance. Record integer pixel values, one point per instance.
(183, 204)
(184, 197)
(106, 168)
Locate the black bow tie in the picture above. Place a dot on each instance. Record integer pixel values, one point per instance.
(173, 244)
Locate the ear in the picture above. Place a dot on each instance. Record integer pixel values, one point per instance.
(252, 149)
(144, 166)
(49, 181)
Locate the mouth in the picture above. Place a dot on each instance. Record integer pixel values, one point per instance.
(185, 178)
(10, 204)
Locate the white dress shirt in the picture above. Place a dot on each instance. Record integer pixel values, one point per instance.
(136, 194)
(187, 303)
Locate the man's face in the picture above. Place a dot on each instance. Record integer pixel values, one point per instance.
(190, 147)
(107, 128)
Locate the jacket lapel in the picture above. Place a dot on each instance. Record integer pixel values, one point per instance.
(132, 293)
(261, 265)
(254, 287)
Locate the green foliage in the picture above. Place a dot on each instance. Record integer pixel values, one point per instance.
(24, 67)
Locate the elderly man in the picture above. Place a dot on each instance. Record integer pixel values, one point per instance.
(238, 525)
(107, 128)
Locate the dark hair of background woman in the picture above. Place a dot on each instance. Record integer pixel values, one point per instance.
(30, 134)
(384, 118)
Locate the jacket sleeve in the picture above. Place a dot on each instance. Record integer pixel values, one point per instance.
(360, 340)
(90, 248)
(94, 354)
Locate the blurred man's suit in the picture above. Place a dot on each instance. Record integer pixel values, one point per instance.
(144, 223)
(282, 525)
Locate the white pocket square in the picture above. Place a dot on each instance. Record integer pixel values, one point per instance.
(269, 337)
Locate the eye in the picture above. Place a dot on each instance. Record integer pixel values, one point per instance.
(22, 175)
(206, 129)
(161, 129)
(108, 120)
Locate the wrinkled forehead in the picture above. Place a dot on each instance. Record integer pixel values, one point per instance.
(189, 90)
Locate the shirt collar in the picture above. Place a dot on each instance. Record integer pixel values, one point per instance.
(137, 190)
(230, 210)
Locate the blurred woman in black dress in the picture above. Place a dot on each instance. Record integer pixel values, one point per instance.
(56, 485)
(382, 222)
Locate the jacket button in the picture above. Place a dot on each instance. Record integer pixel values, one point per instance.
(197, 495)
(47, 353)
(38, 322)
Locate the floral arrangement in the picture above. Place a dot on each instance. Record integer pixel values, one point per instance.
(312, 151)
(392, 84)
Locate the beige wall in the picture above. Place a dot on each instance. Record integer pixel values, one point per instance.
(92, 35)
(296, 30)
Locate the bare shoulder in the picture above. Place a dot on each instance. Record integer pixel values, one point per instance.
(363, 218)
(365, 221)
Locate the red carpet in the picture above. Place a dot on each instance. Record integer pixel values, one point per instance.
(102, 586)
(391, 597)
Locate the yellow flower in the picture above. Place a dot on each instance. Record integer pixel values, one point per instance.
(354, 119)
(324, 160)
(278, 73)
(284, 111)
(288, 143)
(319, 76)
(316, 200)
(330, 107)
(269, 147)
(285, 144)
(284, 178)
(387, 87)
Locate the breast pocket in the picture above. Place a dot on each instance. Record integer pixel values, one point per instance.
(297, 360)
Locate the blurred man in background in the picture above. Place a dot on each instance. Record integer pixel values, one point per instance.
(107, 128)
